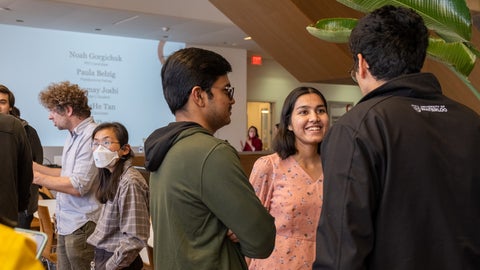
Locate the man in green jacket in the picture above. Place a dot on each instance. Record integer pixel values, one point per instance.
(205, 213)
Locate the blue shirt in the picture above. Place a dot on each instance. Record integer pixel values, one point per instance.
(77, 163)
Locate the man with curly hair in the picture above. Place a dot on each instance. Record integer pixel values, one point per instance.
(77, 209)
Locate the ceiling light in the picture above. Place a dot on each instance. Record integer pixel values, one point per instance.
(126, 20)
(247, 38)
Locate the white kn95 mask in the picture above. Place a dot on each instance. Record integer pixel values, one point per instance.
(103, 156)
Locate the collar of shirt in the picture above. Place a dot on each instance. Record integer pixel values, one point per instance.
(81, 127)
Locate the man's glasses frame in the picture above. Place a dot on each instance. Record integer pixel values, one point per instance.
(230, 91)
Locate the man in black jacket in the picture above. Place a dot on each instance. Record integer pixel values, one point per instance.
(7, 106)
(402, 179)
(16, 169)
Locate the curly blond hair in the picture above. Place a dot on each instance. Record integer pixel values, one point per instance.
(57, 96)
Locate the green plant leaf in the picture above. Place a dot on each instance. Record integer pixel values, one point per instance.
(473, 49)
(466, 81)
(336, 30)
(365, 5)
(455, 54)
(461, 56)
(450, 19)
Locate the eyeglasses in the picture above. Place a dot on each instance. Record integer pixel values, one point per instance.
(229, 91)
(104, 143)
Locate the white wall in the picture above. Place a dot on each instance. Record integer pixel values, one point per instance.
(238, 78)
(270, 82)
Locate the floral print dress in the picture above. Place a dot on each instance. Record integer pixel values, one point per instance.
(295, 201)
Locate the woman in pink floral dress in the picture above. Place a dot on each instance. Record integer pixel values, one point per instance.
(290, 182)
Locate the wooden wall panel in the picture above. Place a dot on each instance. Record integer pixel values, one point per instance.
(278, 26)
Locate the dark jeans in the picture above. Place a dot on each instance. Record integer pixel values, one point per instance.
(102, 256)
(73, 251)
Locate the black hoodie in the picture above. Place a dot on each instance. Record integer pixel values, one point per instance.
(161, 140)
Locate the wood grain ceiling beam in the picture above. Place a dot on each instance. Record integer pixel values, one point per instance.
(278, 26)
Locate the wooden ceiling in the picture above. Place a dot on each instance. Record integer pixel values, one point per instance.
(278, 26)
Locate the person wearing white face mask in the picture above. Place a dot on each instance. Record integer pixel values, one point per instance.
(124, 224)
(104, 157)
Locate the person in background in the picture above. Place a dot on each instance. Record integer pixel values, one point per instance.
(7, 106)
(77, 208)
(204, 211)
(289, 182)
(15, 167)
(253, 142)
(124, 224)
(401, 168)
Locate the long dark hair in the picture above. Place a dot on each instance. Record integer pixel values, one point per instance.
(108, 181)
(284, 141)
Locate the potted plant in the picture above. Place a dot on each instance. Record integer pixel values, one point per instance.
(448, 21)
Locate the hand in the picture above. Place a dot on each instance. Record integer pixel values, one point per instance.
(36, 166)
(232, 236)
(37, 178)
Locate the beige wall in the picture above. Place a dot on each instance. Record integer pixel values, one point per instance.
(238, 78)
(270, 82)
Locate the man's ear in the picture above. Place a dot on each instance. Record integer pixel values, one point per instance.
(68, 110)
(362, 66)
(198, 96)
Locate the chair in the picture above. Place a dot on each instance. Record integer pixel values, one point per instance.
(147, 256)
(35, 224)
(44, 193)
(150, 255)
(46, 226)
